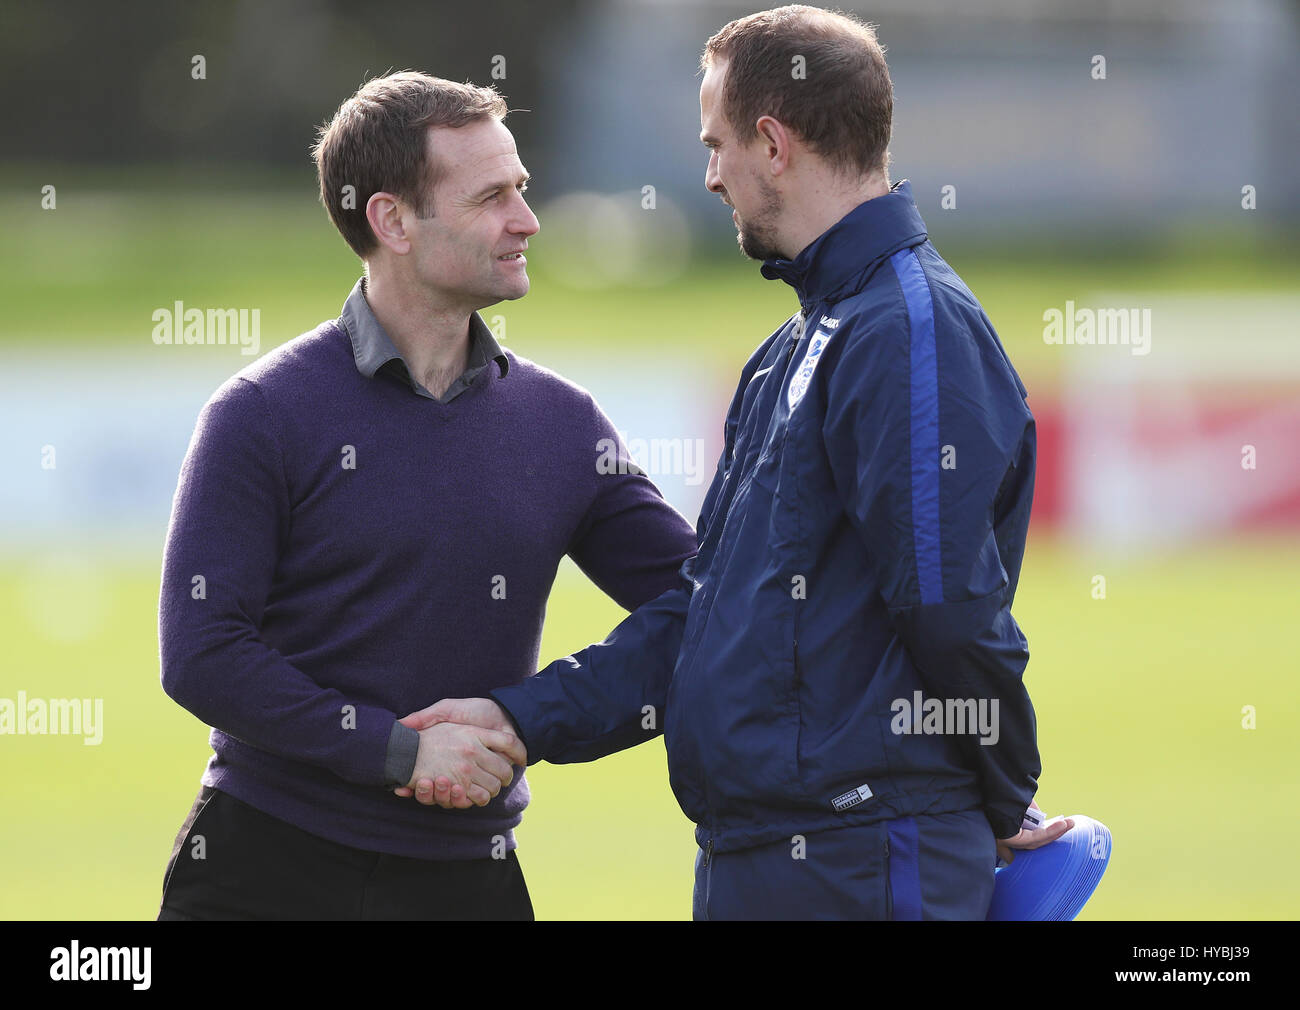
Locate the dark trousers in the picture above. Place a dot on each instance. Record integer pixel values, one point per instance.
(936, 866)
(255, 866)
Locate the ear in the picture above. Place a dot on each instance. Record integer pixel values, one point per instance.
(384, 212)
(776, 141)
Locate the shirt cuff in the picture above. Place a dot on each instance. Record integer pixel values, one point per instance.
(399, 764)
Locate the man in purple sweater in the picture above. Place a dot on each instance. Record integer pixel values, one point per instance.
(370, 518)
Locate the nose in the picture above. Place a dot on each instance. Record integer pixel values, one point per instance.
(525, 221)
(712, 182)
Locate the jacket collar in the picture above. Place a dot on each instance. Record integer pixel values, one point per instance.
(838, 261)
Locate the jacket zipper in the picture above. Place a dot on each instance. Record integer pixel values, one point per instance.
(800, 327)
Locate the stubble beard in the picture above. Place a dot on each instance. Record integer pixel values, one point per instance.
(757, 236)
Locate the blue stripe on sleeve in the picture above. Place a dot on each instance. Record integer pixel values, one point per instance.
(924, 424)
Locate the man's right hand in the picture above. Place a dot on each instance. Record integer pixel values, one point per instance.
(472, 711)
(471, 759)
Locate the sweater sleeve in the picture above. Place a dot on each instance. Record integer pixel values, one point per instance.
(641, 552)
(613, 695)
(230, 520)
(631, 542)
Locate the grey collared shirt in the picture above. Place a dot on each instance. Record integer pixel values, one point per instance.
(374, 350)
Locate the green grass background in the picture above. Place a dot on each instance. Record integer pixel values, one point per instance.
(1139, 696)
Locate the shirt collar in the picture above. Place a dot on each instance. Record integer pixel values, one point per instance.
(846, 251)
(373, 348)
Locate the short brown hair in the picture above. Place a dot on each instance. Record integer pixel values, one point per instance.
(842, 105)
(377, 143)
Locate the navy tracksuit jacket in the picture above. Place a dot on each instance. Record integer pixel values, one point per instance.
(859, 551)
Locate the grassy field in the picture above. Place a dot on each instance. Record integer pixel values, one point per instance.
(92, 271)
(1139, 696)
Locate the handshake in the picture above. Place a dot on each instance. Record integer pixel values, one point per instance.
(467, 749)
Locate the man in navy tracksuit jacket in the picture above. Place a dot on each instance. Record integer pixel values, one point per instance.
(838, 676)
(841, 568)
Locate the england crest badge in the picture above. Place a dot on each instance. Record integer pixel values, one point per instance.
(803, 374)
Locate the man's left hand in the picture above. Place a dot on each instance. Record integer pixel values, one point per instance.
(1032, 839)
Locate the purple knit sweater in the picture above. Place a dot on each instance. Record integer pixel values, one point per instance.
(343, 551)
